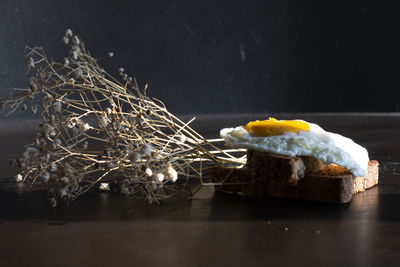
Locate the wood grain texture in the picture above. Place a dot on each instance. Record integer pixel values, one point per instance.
(212, 229)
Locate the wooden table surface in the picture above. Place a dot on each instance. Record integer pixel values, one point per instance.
(104, 229)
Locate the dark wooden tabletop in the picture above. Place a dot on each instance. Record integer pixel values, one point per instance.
(105, 229)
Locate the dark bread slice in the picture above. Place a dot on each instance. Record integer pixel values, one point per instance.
(281, 176)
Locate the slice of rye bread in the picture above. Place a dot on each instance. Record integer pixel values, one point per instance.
(293, 177)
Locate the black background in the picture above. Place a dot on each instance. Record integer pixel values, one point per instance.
(224, 56)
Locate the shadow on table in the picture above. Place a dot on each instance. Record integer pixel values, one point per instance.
(16, 203)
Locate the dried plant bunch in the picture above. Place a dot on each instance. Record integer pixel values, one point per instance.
(96, 129)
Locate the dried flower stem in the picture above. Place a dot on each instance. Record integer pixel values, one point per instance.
(97, 129)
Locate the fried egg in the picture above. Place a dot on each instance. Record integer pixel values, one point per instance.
(299, 138)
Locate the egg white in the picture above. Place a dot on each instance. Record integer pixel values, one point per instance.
(316, 142)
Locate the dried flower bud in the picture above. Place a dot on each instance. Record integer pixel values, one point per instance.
(24, 107)
(121, 71)
(104, 187)
(53, 167)
(78, 73)
(120, 128)
(140, 123)
(53, 202)
(146, 149)
(85, 145)
(57, 141)
(57, 106)
(68, 33)
(159, 177)
(45, 177)
(76, 49)
(75, 40)
(74, 55)
(31, 63)
(110, 165)
(148, 172)
(182, 139)
(171, 173)
(63, 191)
(103, 122)
(65, 62)
(134, 157)
(65, 39)
(30, 153)
(64, 180)
(37, 142)
(34, 109)
(33, 86)
(69, 170)
(155, 154)
(18, 178)
(85, 127)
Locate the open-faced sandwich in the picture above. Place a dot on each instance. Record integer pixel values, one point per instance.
(296, 159)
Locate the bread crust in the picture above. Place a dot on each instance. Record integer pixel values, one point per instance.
(273, 175)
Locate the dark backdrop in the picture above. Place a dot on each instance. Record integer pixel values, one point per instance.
(225, 56)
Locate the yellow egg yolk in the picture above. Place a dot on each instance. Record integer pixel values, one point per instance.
(273, 126)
